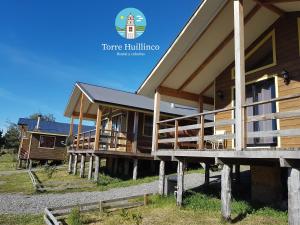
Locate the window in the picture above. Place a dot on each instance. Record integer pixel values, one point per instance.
(47, 141)
(130, 29)
(119, 122)
(262, 56)
(148, 125)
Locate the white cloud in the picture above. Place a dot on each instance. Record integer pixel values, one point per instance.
(138, 20)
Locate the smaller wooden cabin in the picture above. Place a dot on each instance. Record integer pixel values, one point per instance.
(42, 140)
(123, 134)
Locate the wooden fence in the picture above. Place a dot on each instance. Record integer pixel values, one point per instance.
(55, 215)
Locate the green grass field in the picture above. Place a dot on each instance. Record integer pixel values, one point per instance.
(8, 162)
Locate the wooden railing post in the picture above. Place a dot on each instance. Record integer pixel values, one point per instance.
(80, 121)
(83, 139)
(201, 132)
(176, 135)
(155, 121)
(89, 140)
(98, 127)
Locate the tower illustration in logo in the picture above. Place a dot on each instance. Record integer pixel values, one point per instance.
(130, 23)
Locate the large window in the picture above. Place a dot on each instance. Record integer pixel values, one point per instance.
(262, 56)
(47, 141)
(148, 125)
(119, 122)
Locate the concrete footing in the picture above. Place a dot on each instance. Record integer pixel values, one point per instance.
(135, 169)
(82, 166)
(226, 192)
(180, 182)
(90, 174)
(97, 165)
(70, 163)
(294, 196)
(162, 178)
(75, 164)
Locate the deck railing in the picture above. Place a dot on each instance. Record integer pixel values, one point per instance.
(109, 139)
(200, 131)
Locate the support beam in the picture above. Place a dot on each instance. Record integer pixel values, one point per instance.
(207, 167)
(226, 192)
(239, 52)
(97, 165)
(294, 196)
(82, 166)
(71, 126)
(156, 115)
(98, 128)
(80, 121)
(135, 131)
(162, 178)
(70, 163)
(135, 169)
(268, 5)
(75, 164)
(90, 175)
(184, 95)
(180, 182)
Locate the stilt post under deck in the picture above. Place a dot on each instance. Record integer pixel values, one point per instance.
(82, 165)
(226, 192)
(75, 164)
(237, 173)
(90, 168)
(97, 165)
(135, 169)
(207, 167)
(116, 165)
(180, 182)
(70, 163)
(98, 127)
(162, 178)
(294, 196)
(239, 52)
(126, 167)
(156, 114)
(80, 121)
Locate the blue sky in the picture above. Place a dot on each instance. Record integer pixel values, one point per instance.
(46, 46)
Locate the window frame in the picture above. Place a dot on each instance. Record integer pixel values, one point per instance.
(253, 50)
(144, 119)
(47, 136)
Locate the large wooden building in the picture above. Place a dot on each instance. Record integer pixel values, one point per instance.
(123, 133)
(240, 59)
(42, 140)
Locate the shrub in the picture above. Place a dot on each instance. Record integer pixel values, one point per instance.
(74, 218)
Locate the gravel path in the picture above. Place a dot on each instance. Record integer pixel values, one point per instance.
(18, 203)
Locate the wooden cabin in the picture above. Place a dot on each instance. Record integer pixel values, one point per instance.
(42, 140)
(239, 59)
(123, 133)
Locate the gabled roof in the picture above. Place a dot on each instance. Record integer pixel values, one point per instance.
(122, 99)
(51, 127)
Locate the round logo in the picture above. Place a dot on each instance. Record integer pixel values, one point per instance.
(130, 23)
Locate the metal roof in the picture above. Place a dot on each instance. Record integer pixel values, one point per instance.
(127, 99)
(51, 127)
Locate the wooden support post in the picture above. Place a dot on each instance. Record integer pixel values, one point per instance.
(135, 169)
(80, 121)
(70, 163)
(176, 135)
(156, 119)
(237, 173)
(116, 165)
(226, 192)
(145, 199)
(97, 165)
(75, 164)
(239, 52)
(200, 121)
(162, 178)
(180, 182)
(126, 167)
(82, 166)
(90, 175)
(294, 196)
(71, 126)
(98, 128)
(135, 131)
(207, 167)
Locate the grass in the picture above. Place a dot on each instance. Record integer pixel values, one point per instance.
(8, 162)
(198, 209)
(12, 219)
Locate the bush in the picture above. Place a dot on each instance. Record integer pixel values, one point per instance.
(74, 218)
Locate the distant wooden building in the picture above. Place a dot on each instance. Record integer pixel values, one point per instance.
(123, 133)
(42, 140)
(242, 59)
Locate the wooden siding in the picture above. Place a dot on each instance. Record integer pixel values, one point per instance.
(58, 153)
(287, 54)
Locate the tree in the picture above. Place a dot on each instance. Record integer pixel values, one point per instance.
(47, 117)
(2, 139)
(12, 137)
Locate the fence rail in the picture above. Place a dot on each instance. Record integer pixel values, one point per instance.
(54, 215)
(197, 132)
